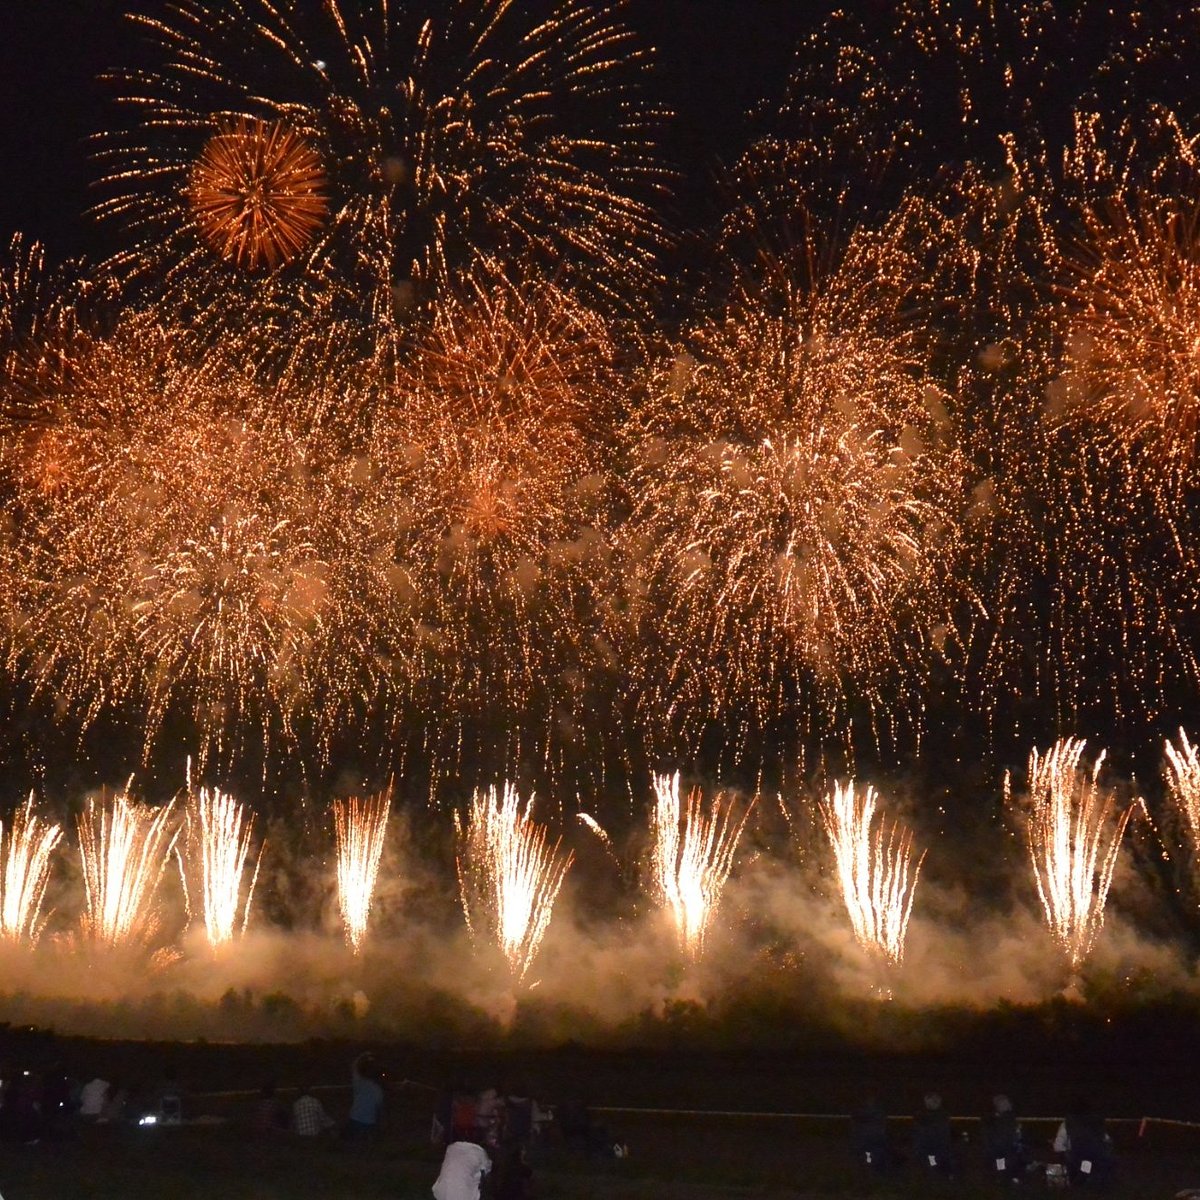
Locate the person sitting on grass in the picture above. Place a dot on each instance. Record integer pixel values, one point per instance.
(309, 1118)
(464, 1165)
(270, 1116)
(932, 1136)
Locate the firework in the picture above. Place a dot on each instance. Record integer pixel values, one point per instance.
(123, 848)
(795, 487)
(224, 830)
(1074, 833)
(25, 850)
(691, 858)
(876, 870)
(257, 194)
(438, 127)
(1182, 773)
(509, 874)
(360, 826)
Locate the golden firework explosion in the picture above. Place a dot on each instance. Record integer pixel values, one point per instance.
(876, 871)
(257, 193)
(222, 831)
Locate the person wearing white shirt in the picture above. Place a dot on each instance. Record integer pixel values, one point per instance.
(91, 1099)
(464, 1165)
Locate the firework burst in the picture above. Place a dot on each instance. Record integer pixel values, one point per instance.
(691, 858)
(223, 829)
(1073, 833)
(438, 127)
(877, 873)
(257, 194)
(360, 827)
(796, 489)
(509, 874)
(25, 850)
(1182, 773)
(123, 848)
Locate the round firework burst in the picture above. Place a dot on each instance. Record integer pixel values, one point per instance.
(257, 193)
(795, 490)
(441, 129)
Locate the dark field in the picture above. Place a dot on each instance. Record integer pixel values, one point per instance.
(1143, 1065)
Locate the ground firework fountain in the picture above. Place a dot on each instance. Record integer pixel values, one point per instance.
(875, 866)
(224, 829)
(360, 826)
(25, 855)
(509, 874)
(691, 858)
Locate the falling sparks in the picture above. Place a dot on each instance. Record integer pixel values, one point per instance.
(224, 830)
(25, 850)
(360, 826)
(258, 193)
(692, 856)
(509, 874)
(123, 848)
(877, 873)
(1073, 833)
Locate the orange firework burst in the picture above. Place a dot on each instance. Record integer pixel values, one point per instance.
(257, 192)
(876, 871)
(25, 850)
(1182, 773)
(692, 857)
(360, 827)
(796, 485)
(1074, 833)
(509, 874)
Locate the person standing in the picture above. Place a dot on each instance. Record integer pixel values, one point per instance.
(366, 1102)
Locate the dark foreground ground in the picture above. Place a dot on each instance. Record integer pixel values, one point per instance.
(1145, 1066)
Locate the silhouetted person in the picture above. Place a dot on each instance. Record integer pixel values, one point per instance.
(1002, 1142)
(869, 1136)
(1086, 1148)
(270, 1116)
(932, 1138)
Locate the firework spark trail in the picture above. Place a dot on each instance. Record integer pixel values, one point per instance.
(692, 856)
(25, 850)
(437, 124)
(123, 848)
(1074, 833)
(360, 826)
(509, 874)
(224, 829)
(1182, 774)
(876, 871)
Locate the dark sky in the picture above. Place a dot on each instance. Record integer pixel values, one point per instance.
(717, 58)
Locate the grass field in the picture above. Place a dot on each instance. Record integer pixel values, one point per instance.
(1143, 1066)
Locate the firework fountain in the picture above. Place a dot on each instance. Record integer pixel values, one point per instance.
(359, 826)
(223, 829)
(691, 857)
(1073, 832)
(509, 874)
(876, 870)
(25, 850)
(124, 848)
